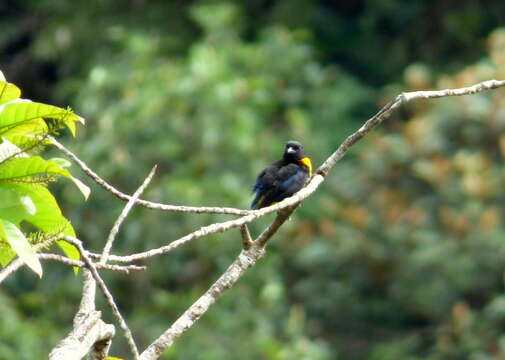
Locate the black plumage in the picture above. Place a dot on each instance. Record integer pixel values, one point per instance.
(283, 178)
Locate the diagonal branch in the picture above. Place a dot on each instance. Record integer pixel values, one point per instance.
(147, 204)
(244, 261)
(249, 257)
(122, 217)
(108, 296)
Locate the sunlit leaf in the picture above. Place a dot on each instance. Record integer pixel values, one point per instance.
(64, 163)
(8, 92)
(83, 188)
(14, 206)
(27, 128)
(21, 112)
(48, 217)
(6, 252)
(21, 246)
(19, 168)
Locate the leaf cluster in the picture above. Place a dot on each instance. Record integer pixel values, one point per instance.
(29, 213)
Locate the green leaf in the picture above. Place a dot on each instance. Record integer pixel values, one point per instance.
(69, 250)
(6, 252)
(21, 246)
(20, 112)
(15, 207)
(20, 168)
(48, 217)
(35, 127)
(64, 163)
(83, 188)
(8, 92)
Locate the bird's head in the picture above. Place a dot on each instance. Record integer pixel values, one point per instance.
(293, 151)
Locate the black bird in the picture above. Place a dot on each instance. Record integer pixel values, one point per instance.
(283, 178)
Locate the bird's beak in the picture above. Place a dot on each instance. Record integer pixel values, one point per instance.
(290, 150)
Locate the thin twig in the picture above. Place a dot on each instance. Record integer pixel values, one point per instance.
(107, 294)
(387, 110)
(118, 268)
(122, 216)
(18, 263)
(147, 204)
(246, 237)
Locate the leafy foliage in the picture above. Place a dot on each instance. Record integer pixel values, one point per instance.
(24, 176)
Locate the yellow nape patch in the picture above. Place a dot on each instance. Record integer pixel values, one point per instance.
(306, 161)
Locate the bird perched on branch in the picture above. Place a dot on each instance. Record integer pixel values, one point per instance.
(283, 178)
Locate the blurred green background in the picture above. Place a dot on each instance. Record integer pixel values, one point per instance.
(399, 255)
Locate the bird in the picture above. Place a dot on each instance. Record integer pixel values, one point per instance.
(282, 178)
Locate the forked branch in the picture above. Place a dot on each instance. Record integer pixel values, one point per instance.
(249, 257)
(253, 249)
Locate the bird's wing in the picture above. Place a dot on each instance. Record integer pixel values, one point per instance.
(258, 185)
(291, 179)
(264, 183)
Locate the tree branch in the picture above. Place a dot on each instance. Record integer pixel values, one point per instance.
(122, 217)
(108, 296)
(249, 257)
(89, 331)
(223, 226)
(244, 261)
(147, 204)
(64, 260)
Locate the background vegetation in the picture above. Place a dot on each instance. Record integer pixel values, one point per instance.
(402, 252)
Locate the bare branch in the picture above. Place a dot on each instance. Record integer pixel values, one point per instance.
(248, 257)
(221, 227)
(62, 259)
(320, 173)
(122, 216)
(89, 330)
(88, 294)
(18, 263)
(14, 266)
(386, 111)
(147, 204)
(244, 261)
(107, 294)
(281, 217)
